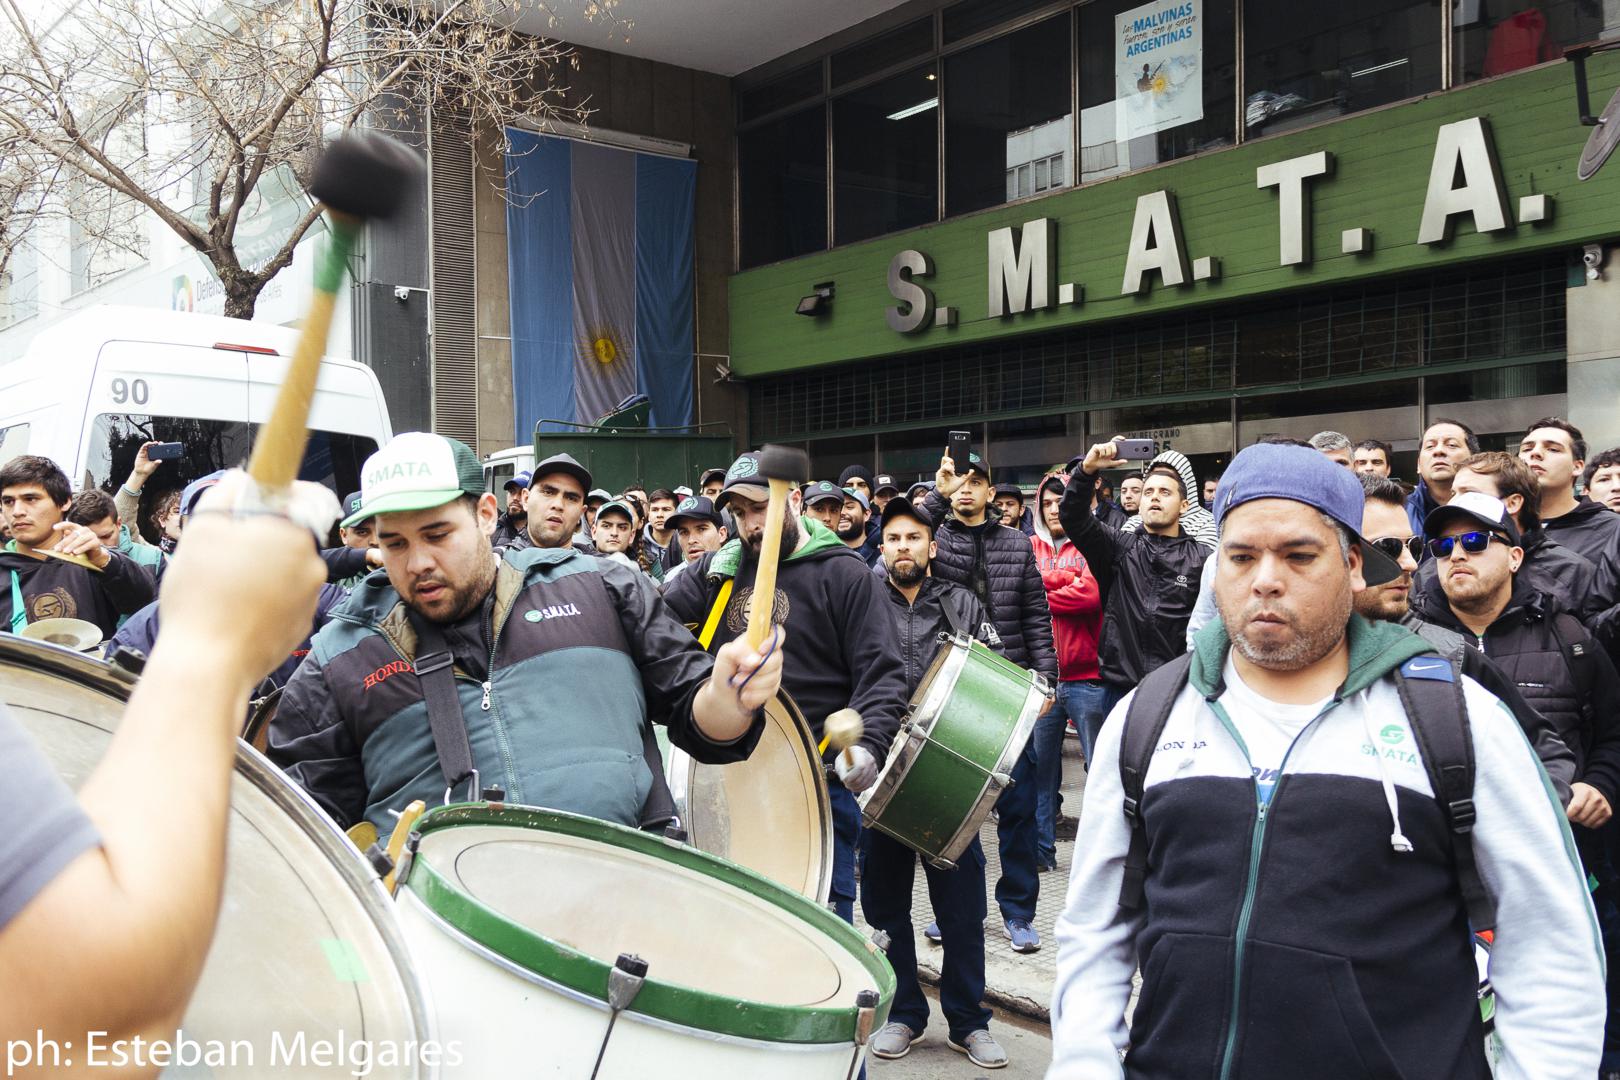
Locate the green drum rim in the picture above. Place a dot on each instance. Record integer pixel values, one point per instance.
(671, 1002)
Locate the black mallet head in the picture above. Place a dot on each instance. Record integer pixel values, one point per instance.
(784, 463)
(365, 175)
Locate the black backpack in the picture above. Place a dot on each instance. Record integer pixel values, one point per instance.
(1430, 687)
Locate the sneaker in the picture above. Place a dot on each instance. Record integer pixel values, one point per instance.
(1024, 940)
(895, 1040)
(981, 1049)
(1066, 827)
(933, 935)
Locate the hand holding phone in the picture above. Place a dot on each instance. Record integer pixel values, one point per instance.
(165, 451)
(1136, 449)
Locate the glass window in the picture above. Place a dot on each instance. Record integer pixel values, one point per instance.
(782, 187)
(886, 156)
(332, 458)
(1493, 39)
(1152, 91)
(912, 40)
(976, 16)
(1343, 59)
(1007, 104)
(798, 85)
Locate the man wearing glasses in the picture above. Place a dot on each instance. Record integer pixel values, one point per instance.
(1554, 660)
(1385, 525)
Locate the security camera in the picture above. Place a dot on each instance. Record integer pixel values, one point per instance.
(1592, 256)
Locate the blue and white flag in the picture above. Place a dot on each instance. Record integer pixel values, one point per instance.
(599, 248)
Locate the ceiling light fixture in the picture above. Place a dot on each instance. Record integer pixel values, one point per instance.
(920, 107)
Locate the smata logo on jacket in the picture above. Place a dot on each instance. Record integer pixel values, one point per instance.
(554, 611)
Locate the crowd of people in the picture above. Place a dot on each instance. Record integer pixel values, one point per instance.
(1361, 731)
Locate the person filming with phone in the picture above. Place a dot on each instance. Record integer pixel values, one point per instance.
(1149, 578)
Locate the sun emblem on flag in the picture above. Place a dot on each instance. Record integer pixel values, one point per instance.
(602, 345)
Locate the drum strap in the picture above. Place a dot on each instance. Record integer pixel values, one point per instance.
(435, 671)
(712, 623)
(19, 613)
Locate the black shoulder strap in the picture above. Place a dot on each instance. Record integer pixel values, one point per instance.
(1574, 642)
(1432, 694)
(438, 679)
(1144, 722)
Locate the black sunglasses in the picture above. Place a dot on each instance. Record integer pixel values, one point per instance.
(1472, 542)
(1392, 545)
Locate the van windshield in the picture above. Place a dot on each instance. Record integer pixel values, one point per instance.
(332, 458)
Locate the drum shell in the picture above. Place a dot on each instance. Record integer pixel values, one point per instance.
(786, 831)
(970, 719)
(519, 981)
(308, 940)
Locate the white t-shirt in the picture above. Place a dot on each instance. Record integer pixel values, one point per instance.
(1268, 727)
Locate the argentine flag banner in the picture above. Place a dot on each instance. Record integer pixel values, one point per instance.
(600, 253)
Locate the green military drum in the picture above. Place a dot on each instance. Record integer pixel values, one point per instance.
(971, 717)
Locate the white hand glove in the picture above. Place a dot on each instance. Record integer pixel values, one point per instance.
(857, 769)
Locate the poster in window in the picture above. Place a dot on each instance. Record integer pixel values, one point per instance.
(1158, 67)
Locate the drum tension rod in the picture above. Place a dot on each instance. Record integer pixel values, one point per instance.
(624, 983)
(866, 1003)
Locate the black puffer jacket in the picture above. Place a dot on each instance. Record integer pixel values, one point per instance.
(1149, 585)
(941, 607)
(1534, 646)
(997, 564)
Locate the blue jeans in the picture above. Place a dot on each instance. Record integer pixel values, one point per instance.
(1112, 694)
(846, 815)
(959, 906)
(1077, 700)
(1020, 883)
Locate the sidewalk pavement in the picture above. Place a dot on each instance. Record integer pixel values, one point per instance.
(1020, 984)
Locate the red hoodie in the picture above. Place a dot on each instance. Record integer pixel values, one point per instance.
(1075, 599)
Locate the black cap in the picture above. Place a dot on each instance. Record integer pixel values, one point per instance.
(902, 508)
(824, 491)
(694, 508)
(562, 463)
(1476, 507)
(351, 503)
(708, 474)
(977, 464)
(1010, 489)
(884, 482)
(743, 479)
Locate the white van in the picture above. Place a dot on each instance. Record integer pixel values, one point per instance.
(502, 465)
(95, 386)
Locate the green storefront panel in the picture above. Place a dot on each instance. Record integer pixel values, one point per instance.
(1381, 167)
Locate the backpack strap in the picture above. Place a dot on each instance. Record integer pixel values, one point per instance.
(1144, 723)
(1431, 692)
(1575, 643)
(435, 672)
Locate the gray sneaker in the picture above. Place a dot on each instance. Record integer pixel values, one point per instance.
(895, 1040)
(981, 1049)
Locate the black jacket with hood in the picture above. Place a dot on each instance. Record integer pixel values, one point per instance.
(53, 589)
(842, 651)
(1149, 585)
(1533, 642)
(1591, 530)
(941, 607)
(997, 564)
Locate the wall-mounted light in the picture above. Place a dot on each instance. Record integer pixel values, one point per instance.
(818, 302)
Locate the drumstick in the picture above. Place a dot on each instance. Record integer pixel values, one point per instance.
(76, 560)
(783, 467)
(842, 730)
(397, 838)
(357, 177)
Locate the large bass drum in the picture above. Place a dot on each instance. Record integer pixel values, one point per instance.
(770, 813)
(577, 949)
(308, 967)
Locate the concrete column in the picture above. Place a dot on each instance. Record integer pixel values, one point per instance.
(1594, 357)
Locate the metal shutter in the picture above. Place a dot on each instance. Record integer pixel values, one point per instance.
(452, 281)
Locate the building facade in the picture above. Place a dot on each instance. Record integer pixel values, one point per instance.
(1191, 221)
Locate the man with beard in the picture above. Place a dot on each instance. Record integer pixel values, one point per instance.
(924, 608)
(515, 520)
(844, 651)
(852, 530)
(1384, 524)
(1287, 879)
(1446, 444)
(560, 662)
(996, 563)
(1130, 494)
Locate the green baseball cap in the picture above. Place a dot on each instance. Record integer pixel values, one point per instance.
(416, 471)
